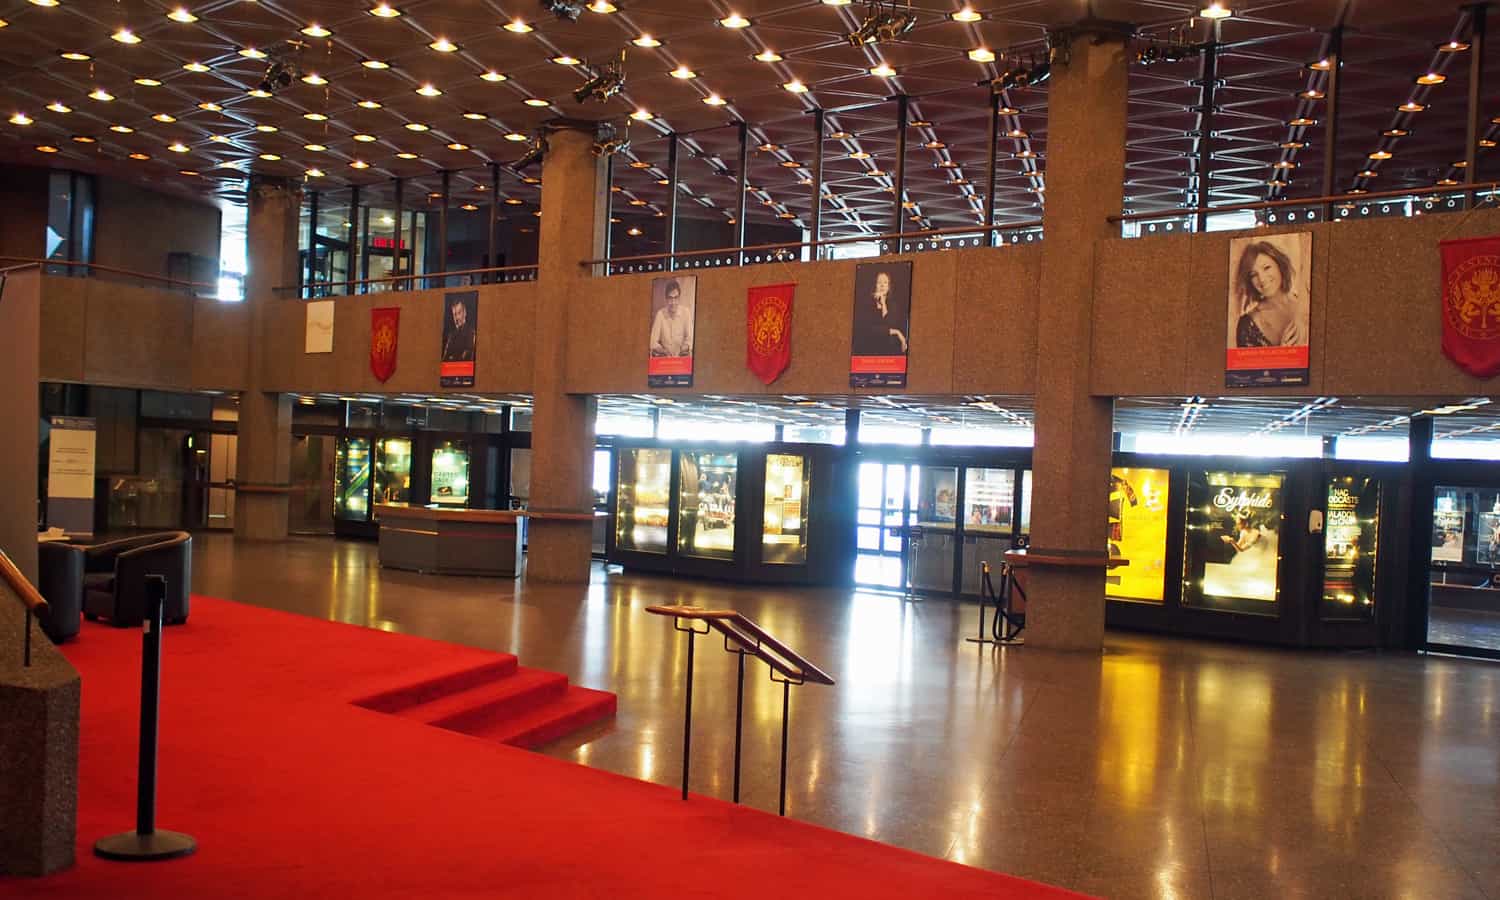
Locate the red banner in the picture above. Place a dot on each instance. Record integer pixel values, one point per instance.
(1471, 304)
(768, 327)
(385, 327)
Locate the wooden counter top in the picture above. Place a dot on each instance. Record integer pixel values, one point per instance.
(426, 514)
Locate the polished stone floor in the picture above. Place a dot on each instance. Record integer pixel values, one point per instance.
(1161, 768)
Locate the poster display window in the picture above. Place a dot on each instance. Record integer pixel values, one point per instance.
(1447, 526)
(1233, 538)
(644, 484)
(1350, 532)
(351, 489)
(1138, 533)
(450, 474)
(784, 531)
(705, 504)
(393, 471)
(989, 500)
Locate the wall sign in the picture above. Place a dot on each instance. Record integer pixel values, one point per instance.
(70, 474)
(319, 329)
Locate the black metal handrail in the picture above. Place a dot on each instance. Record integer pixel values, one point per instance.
(95, 270)
(1331, 199)
(742, 637)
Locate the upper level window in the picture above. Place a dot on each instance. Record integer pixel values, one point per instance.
(70, 222)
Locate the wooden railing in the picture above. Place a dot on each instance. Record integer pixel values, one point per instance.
(31, 599)
(95, 269)
(742, 637)
(345, 288)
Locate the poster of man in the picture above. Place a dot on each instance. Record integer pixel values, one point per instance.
(673, 306)
(460, 324)
(1270, 279)
(882, 325)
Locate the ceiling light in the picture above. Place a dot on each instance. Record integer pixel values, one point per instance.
(314, 117)
(195, 67)
(634, 231)
(165, 117)
(443, 45)
(218, 138)
(515, 136)
(375, 64)
(790, 164)
(428, 90)
(640, 164)
(259, 93)
(469, 207)
(359, 164)
(646, 40)
(516, 201)
(211, 106)
(46, 3)
(83, 139)
(1293, 145)
(839, 135)
(1284, 164)
(536, 101)
(368, 104)
(883, 71)
(188, 172)
(316, 148)
(683, 72)
(982, 55)
(919, 123)
(859, 154)
(139, 156)
(795, 86)
(366, 138)
(405, 155)
(74, 56)
(635, 202)
(125, 36)
(384, 11)
(1461, 164)
(1311, 94)
(966, 15)
(177, 147)
(268, 129)
(59, 107)
(415, 126)
(1368, 173)
(603, 7)
(492, 76)
(1432, 78)
(475, 116)
(122, 129)
(1216, 10)
(517, 26)
(101, 95)
(314, 173)
(1301, 121)
(565, 60)
(768, 56)
(1442, 182)
(875, 173)
(1486, 143)
(1396, 132)
(735, 20)
(1452, 47)
(270, 157)
(639, 115)
(714, 100)
(148, 82)
(1017, 133)
(835, 2)
(1381, 154)
(1277, 182)
(46, 148)
(1411, 106)
(458, 145)
(1026, 154)
(314, 78)
(182, 15)
(20, 119)
(935, 145)
(252, 53)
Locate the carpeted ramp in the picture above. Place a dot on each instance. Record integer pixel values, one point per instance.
(295, 790)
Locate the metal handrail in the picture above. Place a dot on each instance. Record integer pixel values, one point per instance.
(787, 245)
(393, 278)
(27, 261)
(32, 599)
(1307, 201)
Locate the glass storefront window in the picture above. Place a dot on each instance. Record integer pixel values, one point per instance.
(934, 494)
(705, 504)
(520, 478)
(450, 474)
(644, 484)
(870, 433)
(1350, 532)
(352, 480)
(814, 434)
(784, 532)
(624, 425)
(1137, 533)
(1025, 502)
(989, 513)
(1233, 536)
(1464, 594)
(520, 418)
(393, 471)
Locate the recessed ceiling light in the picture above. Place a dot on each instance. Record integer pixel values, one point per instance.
(148, 82)
(646, 40)
(735, 20)
(1396, 132)
(191, 173)
(492, 76)
(210, 106)
(314, 173)
(46, 3)
(876, 173)
(1322, 65)
(314, 117)
(165, 117)
(59, 107)
(74, 55)
(982, 55)
(919, 123)
(1381, 154)
(768, 56)
(1301, 121)
(950, 164)
(1293, 145)
(177, 147)
(714, 100)
(1311, 94)
(314, 78)
(515, 136)
(1017, 133)
(259, 94)
(375, 64)
(639, 115)
(268, 129)
(83, 139)
(139, 156)
(634, 231)
(795, 86)
(20, 118)
(935, 145)
(415, 126)
(1432, 78)
(182, 15)
(839, 135)
(252, 53)
(359, 164)
(1216, 10)
(458, 145)
(531, 179)
(639, 164)
(516, 26)
(536, 101)
(1284, 164)
(195, 67)
(469, 207)
(125, 36)
(475, 116)
(443, 45)
(966, 15)
(366, 138)
(316, 148)
(1026, 154)
(790, 164)
(1486, 143)
(46, 148)
(368, 104)
(1276, 182)
(270, 157)
(317, 31)
(1461, 164)
(883, 71)
(1452, 46)
(407, 155)
(683, 72)
(384, 11)
(566, 60)
(101, 95)
(635, 202)
(1442, 182)
(428, 90)
(603, 7)
(1368, 173)
(1412, 106)
(218, 138)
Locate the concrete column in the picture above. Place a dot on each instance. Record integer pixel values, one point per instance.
(562, 425)
(1085, 183)
(264, 451)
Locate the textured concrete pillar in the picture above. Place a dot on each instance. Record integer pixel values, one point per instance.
(263, 463)
(562, 425)
(1085, 183)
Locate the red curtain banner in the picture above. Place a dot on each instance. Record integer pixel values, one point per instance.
(1471, 304)
(385, 327)
(768, 326)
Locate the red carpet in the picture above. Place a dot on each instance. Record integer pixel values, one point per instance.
(292, 790)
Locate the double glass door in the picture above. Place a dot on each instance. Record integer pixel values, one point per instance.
(1463, 599)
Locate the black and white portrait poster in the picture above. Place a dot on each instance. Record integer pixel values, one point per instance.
(882, 325)
(460, 323)
(673, 305)
(1270, 280)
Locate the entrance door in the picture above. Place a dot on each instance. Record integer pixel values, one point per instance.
(906, 519)
(881, 517)
(1463, 610)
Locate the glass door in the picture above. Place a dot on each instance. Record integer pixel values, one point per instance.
(933, 542)
(1463, 609)
(351, 480)
(881, 517)
(989, 522)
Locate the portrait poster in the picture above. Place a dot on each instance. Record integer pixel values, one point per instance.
(1270, 282)
(1138, 534)
(1447, 527)
(319, 330)
(674, 303)
(1233, 537)
(882, 325)
(460, 325)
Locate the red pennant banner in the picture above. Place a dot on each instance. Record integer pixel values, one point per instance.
(1471, 304)
(768, 324)
(385, 328)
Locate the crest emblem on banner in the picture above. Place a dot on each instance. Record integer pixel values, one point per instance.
(1471, 304)
(385, 327)
(768, 323)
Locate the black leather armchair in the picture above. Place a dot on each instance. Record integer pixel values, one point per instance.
(60, 580)
(115, 582)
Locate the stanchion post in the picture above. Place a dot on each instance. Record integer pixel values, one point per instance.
(145, 843)
(786, 711)
(739, 721)
(687, 716)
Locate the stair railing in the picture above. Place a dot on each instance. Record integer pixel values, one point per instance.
(31, 599)
(743, 638)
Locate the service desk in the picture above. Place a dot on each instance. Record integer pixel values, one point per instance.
(450, 541)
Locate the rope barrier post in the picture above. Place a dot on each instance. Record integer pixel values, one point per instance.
(687, 715)
(739, 721)
(786, 712)
(145, 843)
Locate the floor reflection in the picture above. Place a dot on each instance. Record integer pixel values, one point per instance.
(1163, 768)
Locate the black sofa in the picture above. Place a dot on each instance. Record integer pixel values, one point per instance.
(115, 577)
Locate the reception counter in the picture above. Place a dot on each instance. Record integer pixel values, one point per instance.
(450, 541)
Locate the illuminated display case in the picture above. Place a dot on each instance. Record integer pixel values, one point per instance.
(1138, 534)
(644, 488)
(1447, 526)
(351, 487)
(706, 485)
(450, 474)
(393, 470)
(1233, 540)
(784, 525)
(989, 518)
(1350, 543)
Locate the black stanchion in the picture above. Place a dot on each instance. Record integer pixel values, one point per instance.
(146, 843)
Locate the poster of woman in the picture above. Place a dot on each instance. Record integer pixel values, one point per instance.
(1270, 279)
(882, 325)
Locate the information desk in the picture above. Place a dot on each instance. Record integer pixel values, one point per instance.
(450, 541)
